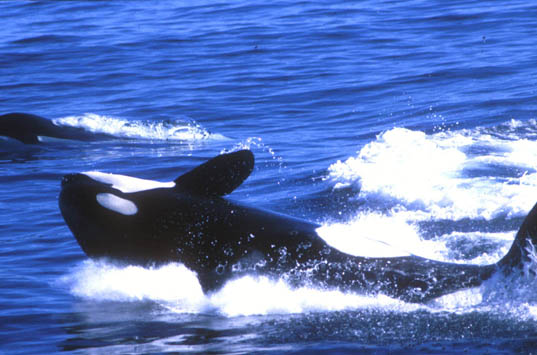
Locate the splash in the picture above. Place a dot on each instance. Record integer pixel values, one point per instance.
(454, 183)
(261, 296)
(447, 175)
(257, 143)
(177, 289)
(116, 127)
(169, 284)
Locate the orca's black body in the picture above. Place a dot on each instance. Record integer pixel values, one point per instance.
(188, 221)
(27, 128)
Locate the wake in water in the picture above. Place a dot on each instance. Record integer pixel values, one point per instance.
(177, 289)
(174, 130)
(481, 173)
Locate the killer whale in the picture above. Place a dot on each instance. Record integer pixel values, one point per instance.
(188, 220)
(27, 128)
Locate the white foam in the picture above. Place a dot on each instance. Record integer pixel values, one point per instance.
(106, 282)
(175, 130)
(177, 289)
(442, 176)
(438, 176)
(261, 296)
(458, 302)
(117, 204)
(126, 183)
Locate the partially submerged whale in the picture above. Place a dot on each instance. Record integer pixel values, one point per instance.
(28, 129)
(188, 220)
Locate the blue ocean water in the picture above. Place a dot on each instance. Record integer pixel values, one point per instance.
(412, 121)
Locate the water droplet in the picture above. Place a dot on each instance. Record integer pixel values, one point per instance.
(220, 269)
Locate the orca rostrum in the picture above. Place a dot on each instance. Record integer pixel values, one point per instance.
(189, 221)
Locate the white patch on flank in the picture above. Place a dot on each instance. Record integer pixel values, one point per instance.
(117, 204)
(125, 183)
(374, 236)
(367, 247)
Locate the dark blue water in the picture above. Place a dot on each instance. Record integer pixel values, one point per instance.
(410, 121)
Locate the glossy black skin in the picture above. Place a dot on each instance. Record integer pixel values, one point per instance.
(220, 239)
(27, 128)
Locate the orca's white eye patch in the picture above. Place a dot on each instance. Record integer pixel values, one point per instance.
(117, 204)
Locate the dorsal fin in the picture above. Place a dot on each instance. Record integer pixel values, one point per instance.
(524, 244)
(218, 176)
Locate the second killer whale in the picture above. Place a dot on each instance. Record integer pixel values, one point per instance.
(189, 221)
(28, 128)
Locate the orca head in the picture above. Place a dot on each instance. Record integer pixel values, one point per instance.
(23, 127)
(87, 190)
(96, 211)
(111, 215)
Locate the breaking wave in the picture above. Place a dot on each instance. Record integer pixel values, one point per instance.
(480, 173)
